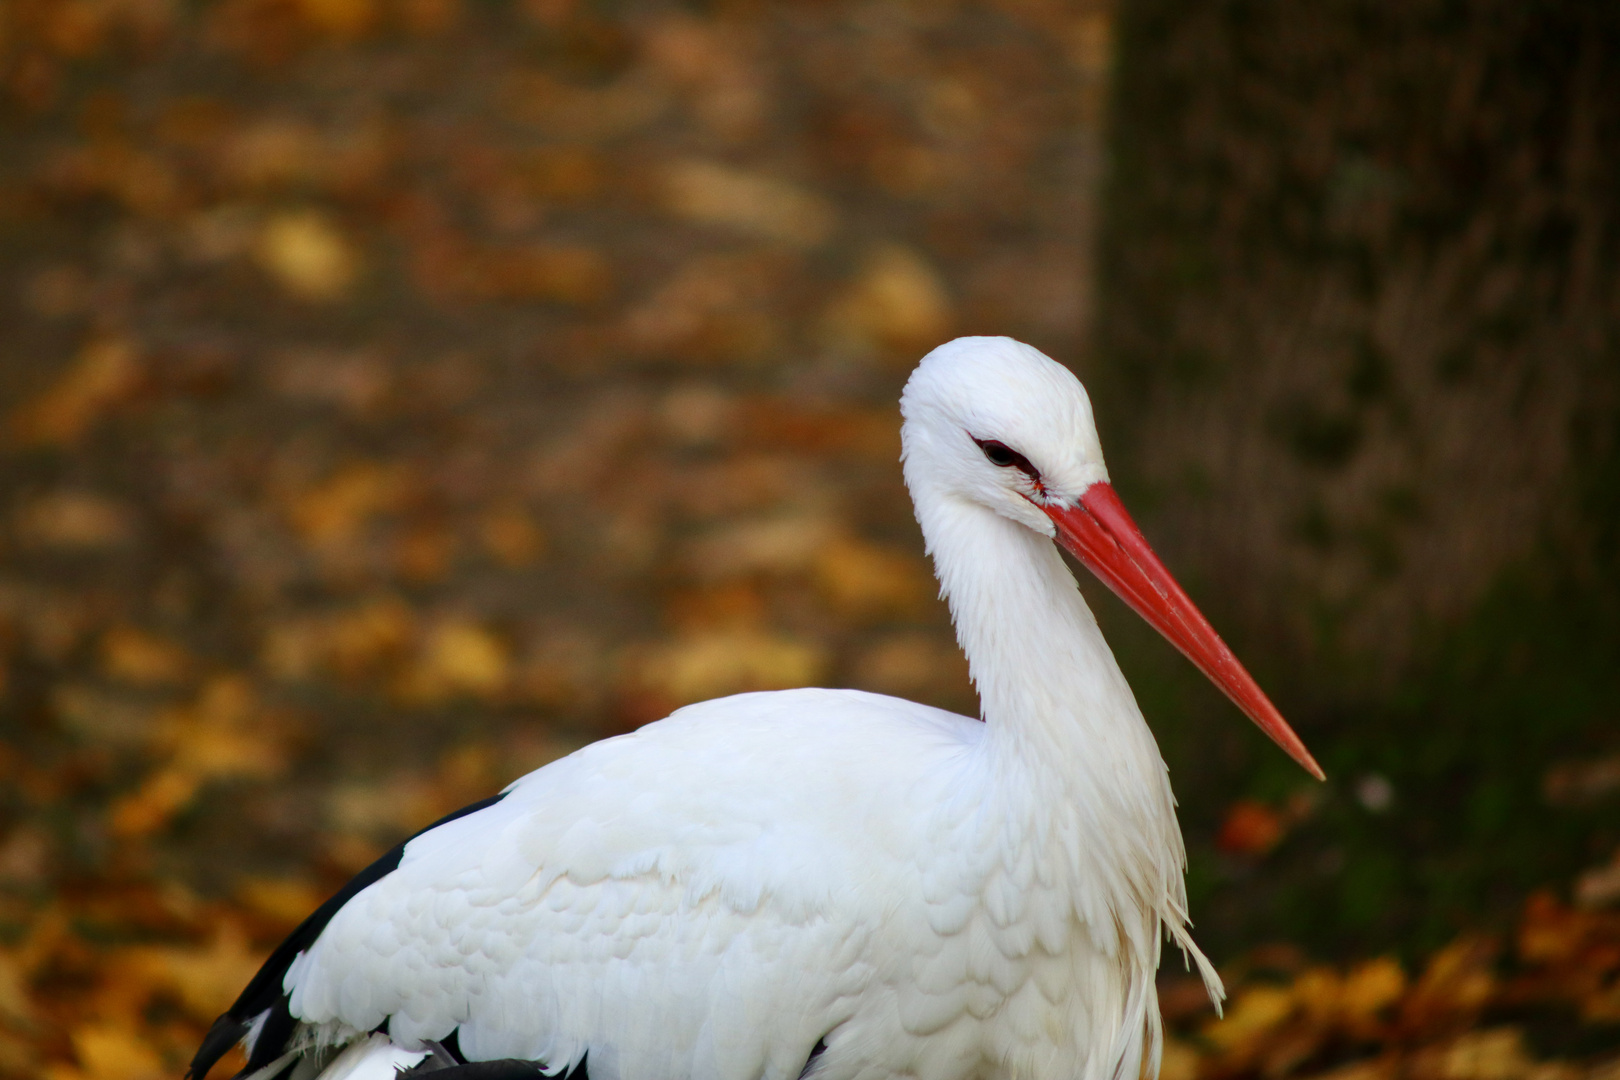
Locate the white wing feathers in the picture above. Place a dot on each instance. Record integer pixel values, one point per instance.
(641, 898)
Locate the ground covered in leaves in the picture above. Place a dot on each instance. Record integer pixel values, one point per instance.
(400, 393)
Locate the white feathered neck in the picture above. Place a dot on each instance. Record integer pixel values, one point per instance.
(1069, 755)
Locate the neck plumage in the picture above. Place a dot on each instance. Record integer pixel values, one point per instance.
(1067, 749)
(1059, 709)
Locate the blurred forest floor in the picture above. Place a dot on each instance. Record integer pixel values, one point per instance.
(398, 394)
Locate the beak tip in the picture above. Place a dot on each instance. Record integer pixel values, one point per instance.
(1307, 761)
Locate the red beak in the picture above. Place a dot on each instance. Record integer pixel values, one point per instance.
(1102, 535)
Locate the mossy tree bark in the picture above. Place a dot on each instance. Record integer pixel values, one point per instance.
(1360, 329)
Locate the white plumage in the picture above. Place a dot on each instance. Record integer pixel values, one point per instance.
(809, 881)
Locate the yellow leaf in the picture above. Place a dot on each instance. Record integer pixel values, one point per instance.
(334, 512)
(15, 1005)
(898, 302)
(107, 371)
(343, 19)
(135, 656)
(308, 255)
(863, 579)
(149, 808)
(1180, 1061)
(284, 900)
(1458, 979)
(224, 735)
(1256, 1012)
(1371, 987)
(460, 657)
(708, 665)
(774, 545)
(468, 656)
(1493, 1054)
(711, 193)
(357, 639)
(110, 1052)
(354, 641)
(205, 978)
(1382, 1068)
(1320, 993)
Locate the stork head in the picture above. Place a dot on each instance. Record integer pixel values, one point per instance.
(992, 421)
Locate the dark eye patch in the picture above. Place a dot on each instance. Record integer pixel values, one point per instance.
(1004, 456)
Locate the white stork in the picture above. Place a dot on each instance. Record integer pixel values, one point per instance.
(811, 883)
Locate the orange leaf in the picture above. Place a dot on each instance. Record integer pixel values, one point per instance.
(1250, 828)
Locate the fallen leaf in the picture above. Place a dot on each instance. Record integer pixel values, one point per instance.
(1493, 1054)
(1549, 932)
(565, 275)
(1251, 828)
(357, 380)
(1320, 993)
(355, 642)
(308, 255)
(272, 152)
(26, 857)
(459, 657)
(426, 552)
(1090, 43)
(100, 717)
(1179, 1061)
(1380, 1068)
(282, 900)
(563, 669)
(712, 308)
(713, 194)
(1369, 989)
(112, 1052)
(333, 513)
(342, 19)
(1599, 886)
(1456, 983)
(584, 113)
(695, 415)
(864, 580)
(511, 534)
(898, 303)
(71, 520)
(135, 656)
(220, 735)
(150, 807)
(912, 665)
(713, 664)
(205, 978)
(16, 1007)
(1254, 1014)
(781, 545)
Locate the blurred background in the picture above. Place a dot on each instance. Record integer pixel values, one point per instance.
(398, 394)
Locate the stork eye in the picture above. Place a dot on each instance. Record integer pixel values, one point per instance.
(1000, 454)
